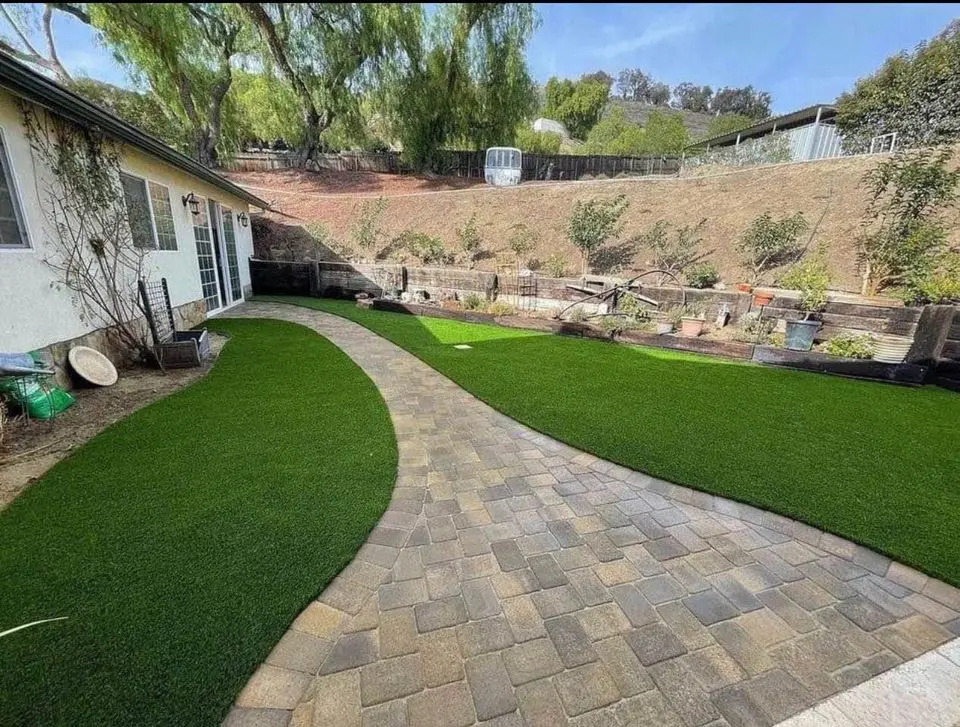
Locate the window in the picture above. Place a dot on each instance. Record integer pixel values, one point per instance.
(13, 232)
(163, 217)
(149, 213)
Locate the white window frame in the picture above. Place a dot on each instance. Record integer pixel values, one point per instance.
(15, 198)
(147, 181)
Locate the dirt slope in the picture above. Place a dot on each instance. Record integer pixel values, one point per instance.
(728, 202)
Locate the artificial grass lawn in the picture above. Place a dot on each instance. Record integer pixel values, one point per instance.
(875, 463)
(182, 541)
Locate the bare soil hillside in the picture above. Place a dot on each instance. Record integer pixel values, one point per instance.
(827, 189)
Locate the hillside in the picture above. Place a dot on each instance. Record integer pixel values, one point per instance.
(696, 123)
(728, 202)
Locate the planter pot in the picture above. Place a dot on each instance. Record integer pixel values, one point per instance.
(799, 335)
(664, 328)
(743, 287)
(892, 349)
(691, 327)
(762, 298)
(449, 305)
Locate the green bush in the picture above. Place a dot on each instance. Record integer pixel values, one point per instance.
(594, 221)
(673, 252)
(850, 345)
(768, 243)
(366, 232)
(522, 241)
(811, 278)
(555, 266)
(426, 249)
(703, 275)
(470, 241)
(473, 301)
(501, 308)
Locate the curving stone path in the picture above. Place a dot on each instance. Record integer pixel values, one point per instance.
(517, 581)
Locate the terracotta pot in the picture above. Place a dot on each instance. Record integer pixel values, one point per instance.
(743, 287)
(449, 305)
(691, 327)
(762, 298)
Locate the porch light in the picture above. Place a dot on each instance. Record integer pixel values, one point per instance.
(193, 201)
(243, 219)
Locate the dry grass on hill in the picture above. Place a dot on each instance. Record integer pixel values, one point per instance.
(829, 189)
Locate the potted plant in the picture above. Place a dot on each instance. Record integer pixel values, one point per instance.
(892, 349)
(743, 287)
(664, 327)
(810, 278)
(692, 320)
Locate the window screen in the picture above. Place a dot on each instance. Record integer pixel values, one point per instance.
(163, 217)
(12, 230)
(138, 211)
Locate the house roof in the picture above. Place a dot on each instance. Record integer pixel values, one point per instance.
(38, 89)
(785, 121)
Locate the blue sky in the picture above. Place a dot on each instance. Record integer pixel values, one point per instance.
(802, 54)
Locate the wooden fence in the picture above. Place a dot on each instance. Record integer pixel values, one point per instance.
(465, 164)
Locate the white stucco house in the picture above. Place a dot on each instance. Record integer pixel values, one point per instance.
(194, 222)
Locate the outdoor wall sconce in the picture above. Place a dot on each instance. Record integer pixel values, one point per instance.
(193, 201)
(243, 219)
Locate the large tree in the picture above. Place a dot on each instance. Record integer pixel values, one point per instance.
(916, 95)
(746, 101)
(326, 52)
(22, 20)
(461, 80)
(691, 97)
(578, 104)
(184, 53)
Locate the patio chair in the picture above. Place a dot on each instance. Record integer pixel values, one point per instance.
(173, 348)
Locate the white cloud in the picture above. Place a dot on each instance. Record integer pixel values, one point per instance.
(660, 30)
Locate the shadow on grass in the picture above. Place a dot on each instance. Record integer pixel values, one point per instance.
(871, 462)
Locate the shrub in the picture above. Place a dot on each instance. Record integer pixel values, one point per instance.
(768, 243)
(324, 241)
(425, 248)
(522, 241)
(703, 275)
(501, 308)
(593, 222)
(673, 252)
(555, 266)
(752, 328)
(940, 286)
(850, 345)
(811, 278)
(366, 232)
(470, 241)
(578, 314)
(473, 301)
(904, 237)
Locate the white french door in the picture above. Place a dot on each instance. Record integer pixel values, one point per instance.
(207, 259)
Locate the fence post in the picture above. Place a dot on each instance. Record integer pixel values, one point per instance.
(315, 284)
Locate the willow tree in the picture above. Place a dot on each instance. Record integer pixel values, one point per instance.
(461, 81)
(327, 53)
(20, 21)
(184, 53)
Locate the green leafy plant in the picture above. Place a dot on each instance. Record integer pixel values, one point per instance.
(754, 329)
(673, 252)
(470, 241)
(904, 236)
(851, 345)
(703, 275)
(555, 266)
(424, 248)
(522, 242)
(940, 286)
(366, 232)
(501, 308)
(693, 309)
(592, 222)
(811, 278)
(578, 314)
(473, 301)
(769, 243)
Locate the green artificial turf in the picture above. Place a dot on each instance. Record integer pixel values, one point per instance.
(182, 541)
(876, 463)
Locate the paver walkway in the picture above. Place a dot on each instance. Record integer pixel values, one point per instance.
(517, 581)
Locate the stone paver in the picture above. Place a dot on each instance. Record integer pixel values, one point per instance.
(516, 582)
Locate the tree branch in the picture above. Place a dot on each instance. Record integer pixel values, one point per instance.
(71, 9)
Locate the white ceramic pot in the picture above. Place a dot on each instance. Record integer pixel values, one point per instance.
(892, 349)
(664, 328)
